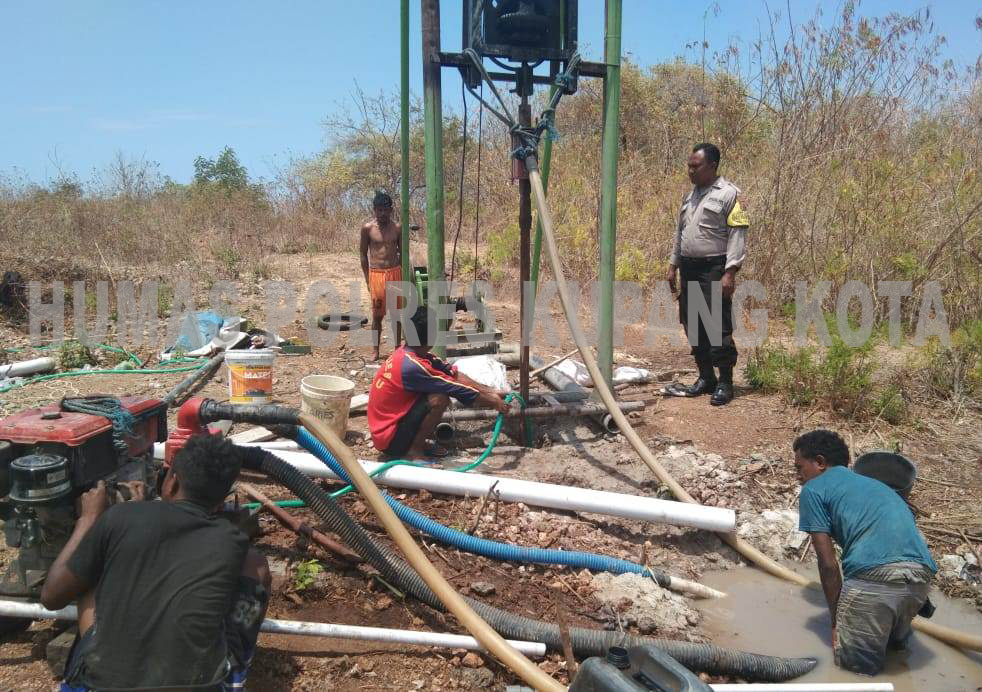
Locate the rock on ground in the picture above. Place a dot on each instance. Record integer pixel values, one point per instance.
(636, 598)
(774, 531)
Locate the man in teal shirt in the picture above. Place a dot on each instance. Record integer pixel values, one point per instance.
(885, 562)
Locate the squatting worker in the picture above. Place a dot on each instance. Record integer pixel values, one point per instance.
(170, 596)
(411, 391)
(381, 257)
(886, 565)
(710, 246)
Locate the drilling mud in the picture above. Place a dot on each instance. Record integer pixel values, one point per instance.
(762, 613)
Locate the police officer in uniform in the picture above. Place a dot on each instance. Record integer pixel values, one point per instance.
(710, 246)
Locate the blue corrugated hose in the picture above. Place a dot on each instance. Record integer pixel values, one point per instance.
(505, 552)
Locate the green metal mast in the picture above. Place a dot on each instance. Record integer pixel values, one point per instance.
(433, 137)
(608, 187)
(404, 136)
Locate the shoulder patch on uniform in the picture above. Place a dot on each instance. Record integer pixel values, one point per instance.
(738, 217)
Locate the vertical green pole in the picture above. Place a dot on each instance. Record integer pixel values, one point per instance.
(404, 136)
(433, 137)
(608, 186)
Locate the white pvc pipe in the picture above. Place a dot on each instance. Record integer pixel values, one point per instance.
(27, 367)
(36, 611)
(273, 444)
(530, 492)
(694, 588)
(562, 497)
(380, 634)
(805, 687)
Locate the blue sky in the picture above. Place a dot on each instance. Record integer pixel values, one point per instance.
(167, 81)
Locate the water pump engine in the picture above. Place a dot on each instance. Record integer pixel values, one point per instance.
(48, 457)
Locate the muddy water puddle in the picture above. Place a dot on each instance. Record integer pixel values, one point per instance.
(766, 615)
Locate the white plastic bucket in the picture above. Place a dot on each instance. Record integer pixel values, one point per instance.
(329, 398)
(250, 375)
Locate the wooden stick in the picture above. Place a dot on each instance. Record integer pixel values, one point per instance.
(564, 637)
(297, 526)
(572, 590)
(949, 484)
(480, 509)
(539, 371)
(946, 532)
(971, 546)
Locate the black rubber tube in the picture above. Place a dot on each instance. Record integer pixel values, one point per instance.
(192, 380)
(342, 321)
(258, 414)
(704, 658)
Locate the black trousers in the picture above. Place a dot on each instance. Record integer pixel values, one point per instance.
(712, 343)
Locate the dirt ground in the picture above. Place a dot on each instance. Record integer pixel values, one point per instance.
(737, 456)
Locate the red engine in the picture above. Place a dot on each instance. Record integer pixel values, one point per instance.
(49, 456)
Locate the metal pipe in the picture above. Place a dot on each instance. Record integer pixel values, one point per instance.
(35, 611)
(572, 409)
(299, 527)
(433, 146)
(526, 305)
(444, 431)
(404, 139)
(608, 187)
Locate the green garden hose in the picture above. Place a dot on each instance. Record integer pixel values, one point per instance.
(496, 431)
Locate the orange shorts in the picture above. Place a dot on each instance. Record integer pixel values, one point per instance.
(377, 278)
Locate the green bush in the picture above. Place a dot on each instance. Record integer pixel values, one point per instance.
(74, 355)
(838, 377)
(503, 246)
(956, 371)
(889, 404)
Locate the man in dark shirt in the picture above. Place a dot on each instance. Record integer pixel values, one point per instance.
(169, 595)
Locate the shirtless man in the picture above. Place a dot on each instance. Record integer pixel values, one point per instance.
(380, 259)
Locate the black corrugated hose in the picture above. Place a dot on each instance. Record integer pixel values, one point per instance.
(704, 658)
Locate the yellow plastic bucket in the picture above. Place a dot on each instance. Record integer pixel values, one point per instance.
(329, 398)
(250, 375)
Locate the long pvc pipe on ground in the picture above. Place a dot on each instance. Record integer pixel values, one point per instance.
(35, 611)
(549, 495)
(454, 602)
(561, 497)
(805, 687)
(946, 634)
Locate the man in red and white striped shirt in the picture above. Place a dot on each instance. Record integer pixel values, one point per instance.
(411, 391)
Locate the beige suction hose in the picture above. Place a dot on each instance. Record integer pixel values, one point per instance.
(945, 634)
(479, 629)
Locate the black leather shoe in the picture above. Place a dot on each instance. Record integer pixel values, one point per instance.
(723, 394)
(701, 386)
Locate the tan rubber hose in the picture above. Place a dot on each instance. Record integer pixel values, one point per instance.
(479, 629)
(945, 634)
